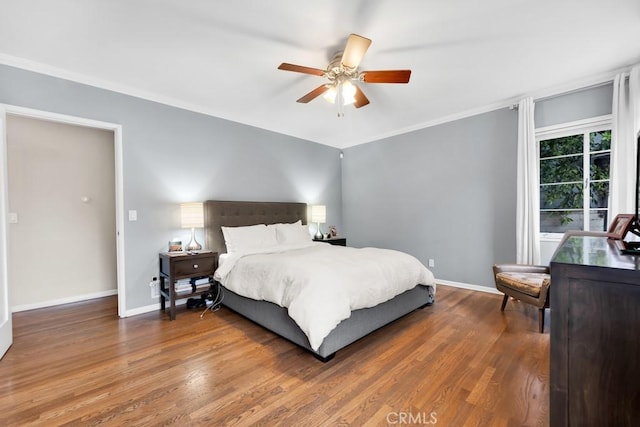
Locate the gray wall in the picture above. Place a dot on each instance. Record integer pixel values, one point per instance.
(172, 155)
(447, 193)
(578, 105)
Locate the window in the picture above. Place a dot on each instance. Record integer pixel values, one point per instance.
(574, 176)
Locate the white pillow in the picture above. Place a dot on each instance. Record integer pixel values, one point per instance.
(241, 239)
(292, 233)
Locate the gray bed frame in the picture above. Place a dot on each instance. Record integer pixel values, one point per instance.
(275, 318)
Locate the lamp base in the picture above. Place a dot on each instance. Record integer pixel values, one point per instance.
(193, 245)
(318, 233)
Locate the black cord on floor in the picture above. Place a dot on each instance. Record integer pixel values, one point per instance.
(216, 295)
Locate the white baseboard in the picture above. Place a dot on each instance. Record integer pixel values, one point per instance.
(182, 301)
(156, 306)
(142, 310)
(60, 301)
(468, 286)
(152, 307)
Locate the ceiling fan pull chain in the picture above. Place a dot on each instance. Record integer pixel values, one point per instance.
(340, 100)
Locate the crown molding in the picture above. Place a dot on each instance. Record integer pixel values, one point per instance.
(539, 95)
(41, 68)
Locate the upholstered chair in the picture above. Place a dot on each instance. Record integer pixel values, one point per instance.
(527, 283)
(530, 283)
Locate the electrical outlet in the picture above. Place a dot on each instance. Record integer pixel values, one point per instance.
(432, 262)
(154, 284)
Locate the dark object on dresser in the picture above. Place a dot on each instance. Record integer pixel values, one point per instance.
(595, 322)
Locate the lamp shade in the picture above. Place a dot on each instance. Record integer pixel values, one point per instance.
(347, 93)
(192, 215)
(318, 213)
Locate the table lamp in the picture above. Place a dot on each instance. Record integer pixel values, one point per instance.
(318, 215)
(192, 216)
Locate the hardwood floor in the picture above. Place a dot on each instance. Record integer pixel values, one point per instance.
(460, 362)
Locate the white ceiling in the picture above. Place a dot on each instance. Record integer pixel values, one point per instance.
(221, 58)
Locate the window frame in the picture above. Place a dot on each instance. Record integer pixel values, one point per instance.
(560, 130)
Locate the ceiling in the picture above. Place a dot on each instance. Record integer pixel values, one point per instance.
(221, 58)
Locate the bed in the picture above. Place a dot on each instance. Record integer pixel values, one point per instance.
(361, 322)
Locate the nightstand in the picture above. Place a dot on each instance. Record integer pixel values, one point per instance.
(338, 241)
(181, 265)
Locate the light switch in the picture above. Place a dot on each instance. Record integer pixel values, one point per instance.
(133, 215)
(13, 218)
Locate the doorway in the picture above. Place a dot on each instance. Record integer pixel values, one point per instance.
(61, 213)
(59, 254)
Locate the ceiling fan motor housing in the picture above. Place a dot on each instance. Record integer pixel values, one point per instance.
(338, 72)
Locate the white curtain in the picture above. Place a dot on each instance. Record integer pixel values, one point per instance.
(626, 123)
(528, 192)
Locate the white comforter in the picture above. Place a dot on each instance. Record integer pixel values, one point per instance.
(321, 284)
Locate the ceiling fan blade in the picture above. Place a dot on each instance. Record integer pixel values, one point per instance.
(361, 99)
(301, 69)
(386, 76)
(314, 93)
(354, 50)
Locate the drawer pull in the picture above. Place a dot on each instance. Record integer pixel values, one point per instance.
(195, 265)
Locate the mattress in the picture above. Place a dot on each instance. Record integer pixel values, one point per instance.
(320, 285)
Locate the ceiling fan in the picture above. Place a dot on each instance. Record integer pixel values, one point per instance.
(342, 72)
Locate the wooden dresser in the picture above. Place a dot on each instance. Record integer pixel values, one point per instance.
(595, 335)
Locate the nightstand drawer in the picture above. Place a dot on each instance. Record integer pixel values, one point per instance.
(188, 266)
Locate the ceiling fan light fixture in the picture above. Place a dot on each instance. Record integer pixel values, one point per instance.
(346, 91)
(342, 73)
(330, 95)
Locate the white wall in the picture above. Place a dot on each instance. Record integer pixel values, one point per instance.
(61, 247)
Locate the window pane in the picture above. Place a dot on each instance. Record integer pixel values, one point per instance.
(561, 146)
(561, 221)
(599, 194)
(564, 203)
(561, 196)
(600, 140)
(600, 165)
(564, 169)
(597, 220)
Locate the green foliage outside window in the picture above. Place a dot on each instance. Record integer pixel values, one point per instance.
(562, 176)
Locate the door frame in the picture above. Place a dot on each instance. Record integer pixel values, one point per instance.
(119, 187)
(6, 327)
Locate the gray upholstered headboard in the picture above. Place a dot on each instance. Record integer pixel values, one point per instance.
(235, 214)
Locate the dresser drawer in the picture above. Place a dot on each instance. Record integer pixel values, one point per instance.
(188, 266)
